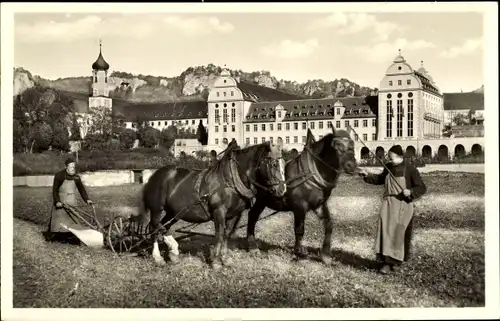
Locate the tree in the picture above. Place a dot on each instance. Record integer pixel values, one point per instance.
(202, 133)
(127, 138)
(150, 137)
(167, 137)
(101, 121)
(75, 129)
(461, 120)
(41, 137)
(60, 137)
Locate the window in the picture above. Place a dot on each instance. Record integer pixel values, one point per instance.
(225, 141)
(287, 139)
(346, 124)
(263, 139)
(287, 126)
(304, 139)
(338, 111)
(374, 122)
(399, 119)
(255, 140)
(233, 115)
(374, 136)
(224, 94)
(216, 141)
(410, 117)
(247, 128)
(408, 82)
(247, 140)
(388, 130)
(271, 127)
(320, 125)
(356, 123)
(296, 126)
(218, 94)
(255, 128)
(232, 93)
(312, 125)
(279, 114)
(279, 126)
(337, 124)
(390, 82)
(365, 137)
(216, 129)
(400, 82)
(365, 123)
(329, 124)
(356, 138)
(263, 127)
(186, 122)
(233, 128)
(271, 139)
(225, 129)
(295, 139)
(224, 116)
(304, 125)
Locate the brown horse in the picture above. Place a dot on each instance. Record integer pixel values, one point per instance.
(219, 193)
(311, 177)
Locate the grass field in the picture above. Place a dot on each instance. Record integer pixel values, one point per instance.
(447, 269)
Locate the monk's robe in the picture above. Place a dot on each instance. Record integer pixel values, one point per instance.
(395, 223)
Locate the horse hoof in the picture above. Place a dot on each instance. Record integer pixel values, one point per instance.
(254, 251)
(216, 266)
(160, 261)
(227, 261)
(327, 260)
(174, 259)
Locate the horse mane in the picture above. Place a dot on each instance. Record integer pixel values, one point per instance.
(318, 146)
(259, 149)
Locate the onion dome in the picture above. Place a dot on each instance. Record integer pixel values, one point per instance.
(225, 72)
(100, 63)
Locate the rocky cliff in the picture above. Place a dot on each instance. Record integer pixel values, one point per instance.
(193, 83)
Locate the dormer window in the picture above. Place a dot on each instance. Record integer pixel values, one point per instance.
(304, 114)
(311, 106)
(296, 114)
(347, 112)
(248, 117)
(328, 105)
(320, 106)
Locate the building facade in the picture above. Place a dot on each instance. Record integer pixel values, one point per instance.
(409, 110)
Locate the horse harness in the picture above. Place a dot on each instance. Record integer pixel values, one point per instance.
(305, 164)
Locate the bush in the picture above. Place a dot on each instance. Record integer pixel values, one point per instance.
(127, 138)
(149, 137)
(60, 138)
(42, 136)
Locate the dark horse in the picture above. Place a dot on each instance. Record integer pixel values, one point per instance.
(311, 177)
(219, 193)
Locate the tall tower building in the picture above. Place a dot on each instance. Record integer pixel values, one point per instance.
(100, 90)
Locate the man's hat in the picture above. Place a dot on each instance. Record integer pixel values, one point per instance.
(68, 161)
(397, 149)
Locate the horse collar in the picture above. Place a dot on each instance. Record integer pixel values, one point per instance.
(310, 166)
(238, 183)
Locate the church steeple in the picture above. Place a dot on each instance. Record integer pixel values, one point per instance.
(100, 63)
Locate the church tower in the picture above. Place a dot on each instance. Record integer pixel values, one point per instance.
(100, 90)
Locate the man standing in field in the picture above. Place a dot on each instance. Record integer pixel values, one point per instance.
(66, 183)
(403, 185)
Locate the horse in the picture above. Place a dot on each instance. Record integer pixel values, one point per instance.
(311, 177)
(219, 193)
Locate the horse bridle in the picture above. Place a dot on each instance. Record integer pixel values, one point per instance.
(267, 159)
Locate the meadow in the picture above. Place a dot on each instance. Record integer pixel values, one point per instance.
(447, 267)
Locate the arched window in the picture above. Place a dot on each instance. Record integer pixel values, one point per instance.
(224, 141)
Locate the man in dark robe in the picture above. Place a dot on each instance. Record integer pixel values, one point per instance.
(66, 183)
(403, 185)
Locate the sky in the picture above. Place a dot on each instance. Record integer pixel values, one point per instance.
(292, 46)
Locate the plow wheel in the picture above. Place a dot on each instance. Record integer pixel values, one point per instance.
(120, 237)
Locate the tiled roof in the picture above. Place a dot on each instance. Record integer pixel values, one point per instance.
(313, 109)
(163, 111)
(427, 84)
(256, 93)
(456, 101)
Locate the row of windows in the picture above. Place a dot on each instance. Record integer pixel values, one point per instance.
(312, 125)
(225, 105)
(399, 118)
(165, 123)
(255, 140)
(225, 116)
(225, 93)
(400, 82)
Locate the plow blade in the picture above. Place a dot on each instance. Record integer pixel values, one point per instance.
(90, 238)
